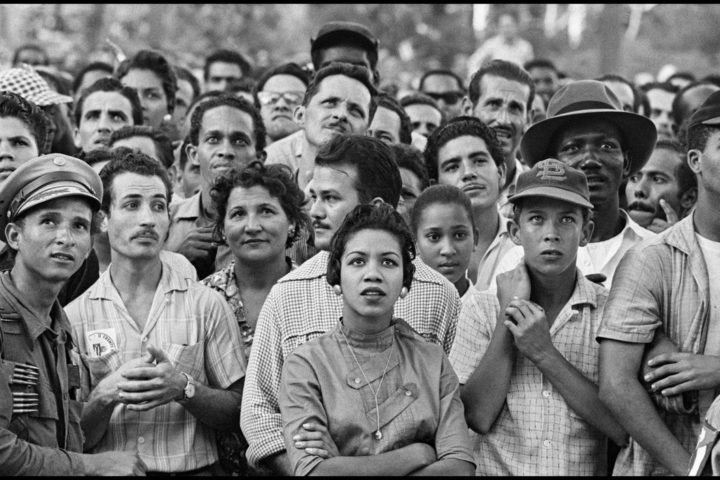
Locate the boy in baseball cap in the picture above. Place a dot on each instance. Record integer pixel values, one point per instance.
(527, 357)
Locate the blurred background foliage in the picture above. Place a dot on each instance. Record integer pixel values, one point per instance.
(584, 40)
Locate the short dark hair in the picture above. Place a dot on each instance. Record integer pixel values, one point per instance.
(243, 84)
(126, 160)
(372, 217)
(677, 110)
(109, 84)
(612, 77)
(684, 75)
(225, 55)
(163, 145)
(158, 64)
(183, 158)
(419, 98)
(501, 68)
(378, 174)
(228, 100)
(411, 158)
(277, 179)
(386, 101)
(442, 71)
(698, 135)
(540, 63)
(666, 86)
(290, 68)
(15, 106)
(98, 155)
(458, 127)
(349, 70)
(183, 73)
(445, 195)
(30, 46)
(343, 38)
(685, 176)
(103, 66)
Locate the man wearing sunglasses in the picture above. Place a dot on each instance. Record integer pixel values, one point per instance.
(276, 95)
(446, 88)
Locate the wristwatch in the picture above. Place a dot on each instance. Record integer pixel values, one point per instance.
(189, 390)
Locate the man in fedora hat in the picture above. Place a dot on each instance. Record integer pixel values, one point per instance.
(586, 128)
(668, 288)
(47, 207)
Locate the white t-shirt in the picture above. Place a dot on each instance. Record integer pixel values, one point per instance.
(711, 254)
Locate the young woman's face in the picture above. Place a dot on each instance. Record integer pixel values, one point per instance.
(371, 274)
(445, 239)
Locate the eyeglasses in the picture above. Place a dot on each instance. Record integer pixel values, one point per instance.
(451, 98)
(271, 98)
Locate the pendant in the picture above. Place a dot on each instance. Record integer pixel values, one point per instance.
(378, 435)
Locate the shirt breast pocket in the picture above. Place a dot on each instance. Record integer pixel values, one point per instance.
(188, 358)
(100, 367)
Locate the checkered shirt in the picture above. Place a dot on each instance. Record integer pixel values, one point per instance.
(302, 306)
(536, 432)
(673, 295)
(194, 326)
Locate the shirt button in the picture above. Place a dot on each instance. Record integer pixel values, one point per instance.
(547, 443)
(141, 440)
(357, 380)
(546, 393)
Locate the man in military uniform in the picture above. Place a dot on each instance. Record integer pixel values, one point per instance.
(46, 216)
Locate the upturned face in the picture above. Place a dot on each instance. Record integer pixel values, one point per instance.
(53, 239)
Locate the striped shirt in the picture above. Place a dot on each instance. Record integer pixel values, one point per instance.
(196, 329)
(536, 432)
(303, 306)
(673, 295)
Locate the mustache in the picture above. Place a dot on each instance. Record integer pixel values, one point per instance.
(146, 233)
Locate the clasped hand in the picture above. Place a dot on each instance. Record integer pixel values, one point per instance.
(152, 383)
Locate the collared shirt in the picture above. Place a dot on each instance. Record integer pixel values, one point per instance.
(55, 422)
(188, 215)
(537, 433)
(501, 244)
(504, 206)
(225, 283)
(291, 151)
(194, 326)
(302, 306)
(596, 257)
(323, 382)
(661, 283)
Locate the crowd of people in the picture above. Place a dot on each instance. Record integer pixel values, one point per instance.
(285, 272)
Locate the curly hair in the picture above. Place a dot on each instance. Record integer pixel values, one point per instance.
(163, 146)
(13, 105)
(277, 179)
(458, 127)
(372, 217)
(126, 160)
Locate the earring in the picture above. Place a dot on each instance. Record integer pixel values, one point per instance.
(224, 238)
(291, 231)
(337, 289)
(403, 292)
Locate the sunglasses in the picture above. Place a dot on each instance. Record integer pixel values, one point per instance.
(451, 98)
(271, 98)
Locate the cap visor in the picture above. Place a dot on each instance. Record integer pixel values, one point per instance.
(555, 193)
(54, 191)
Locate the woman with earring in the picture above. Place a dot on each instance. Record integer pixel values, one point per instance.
(259, 217)
(372, 386)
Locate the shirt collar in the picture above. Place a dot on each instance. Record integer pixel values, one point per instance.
(189, 209)
(633, 229)
(584, 293)
(170, 280)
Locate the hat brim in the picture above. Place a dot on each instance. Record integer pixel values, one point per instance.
(552, 192)
(638, 132)
(54, 191)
